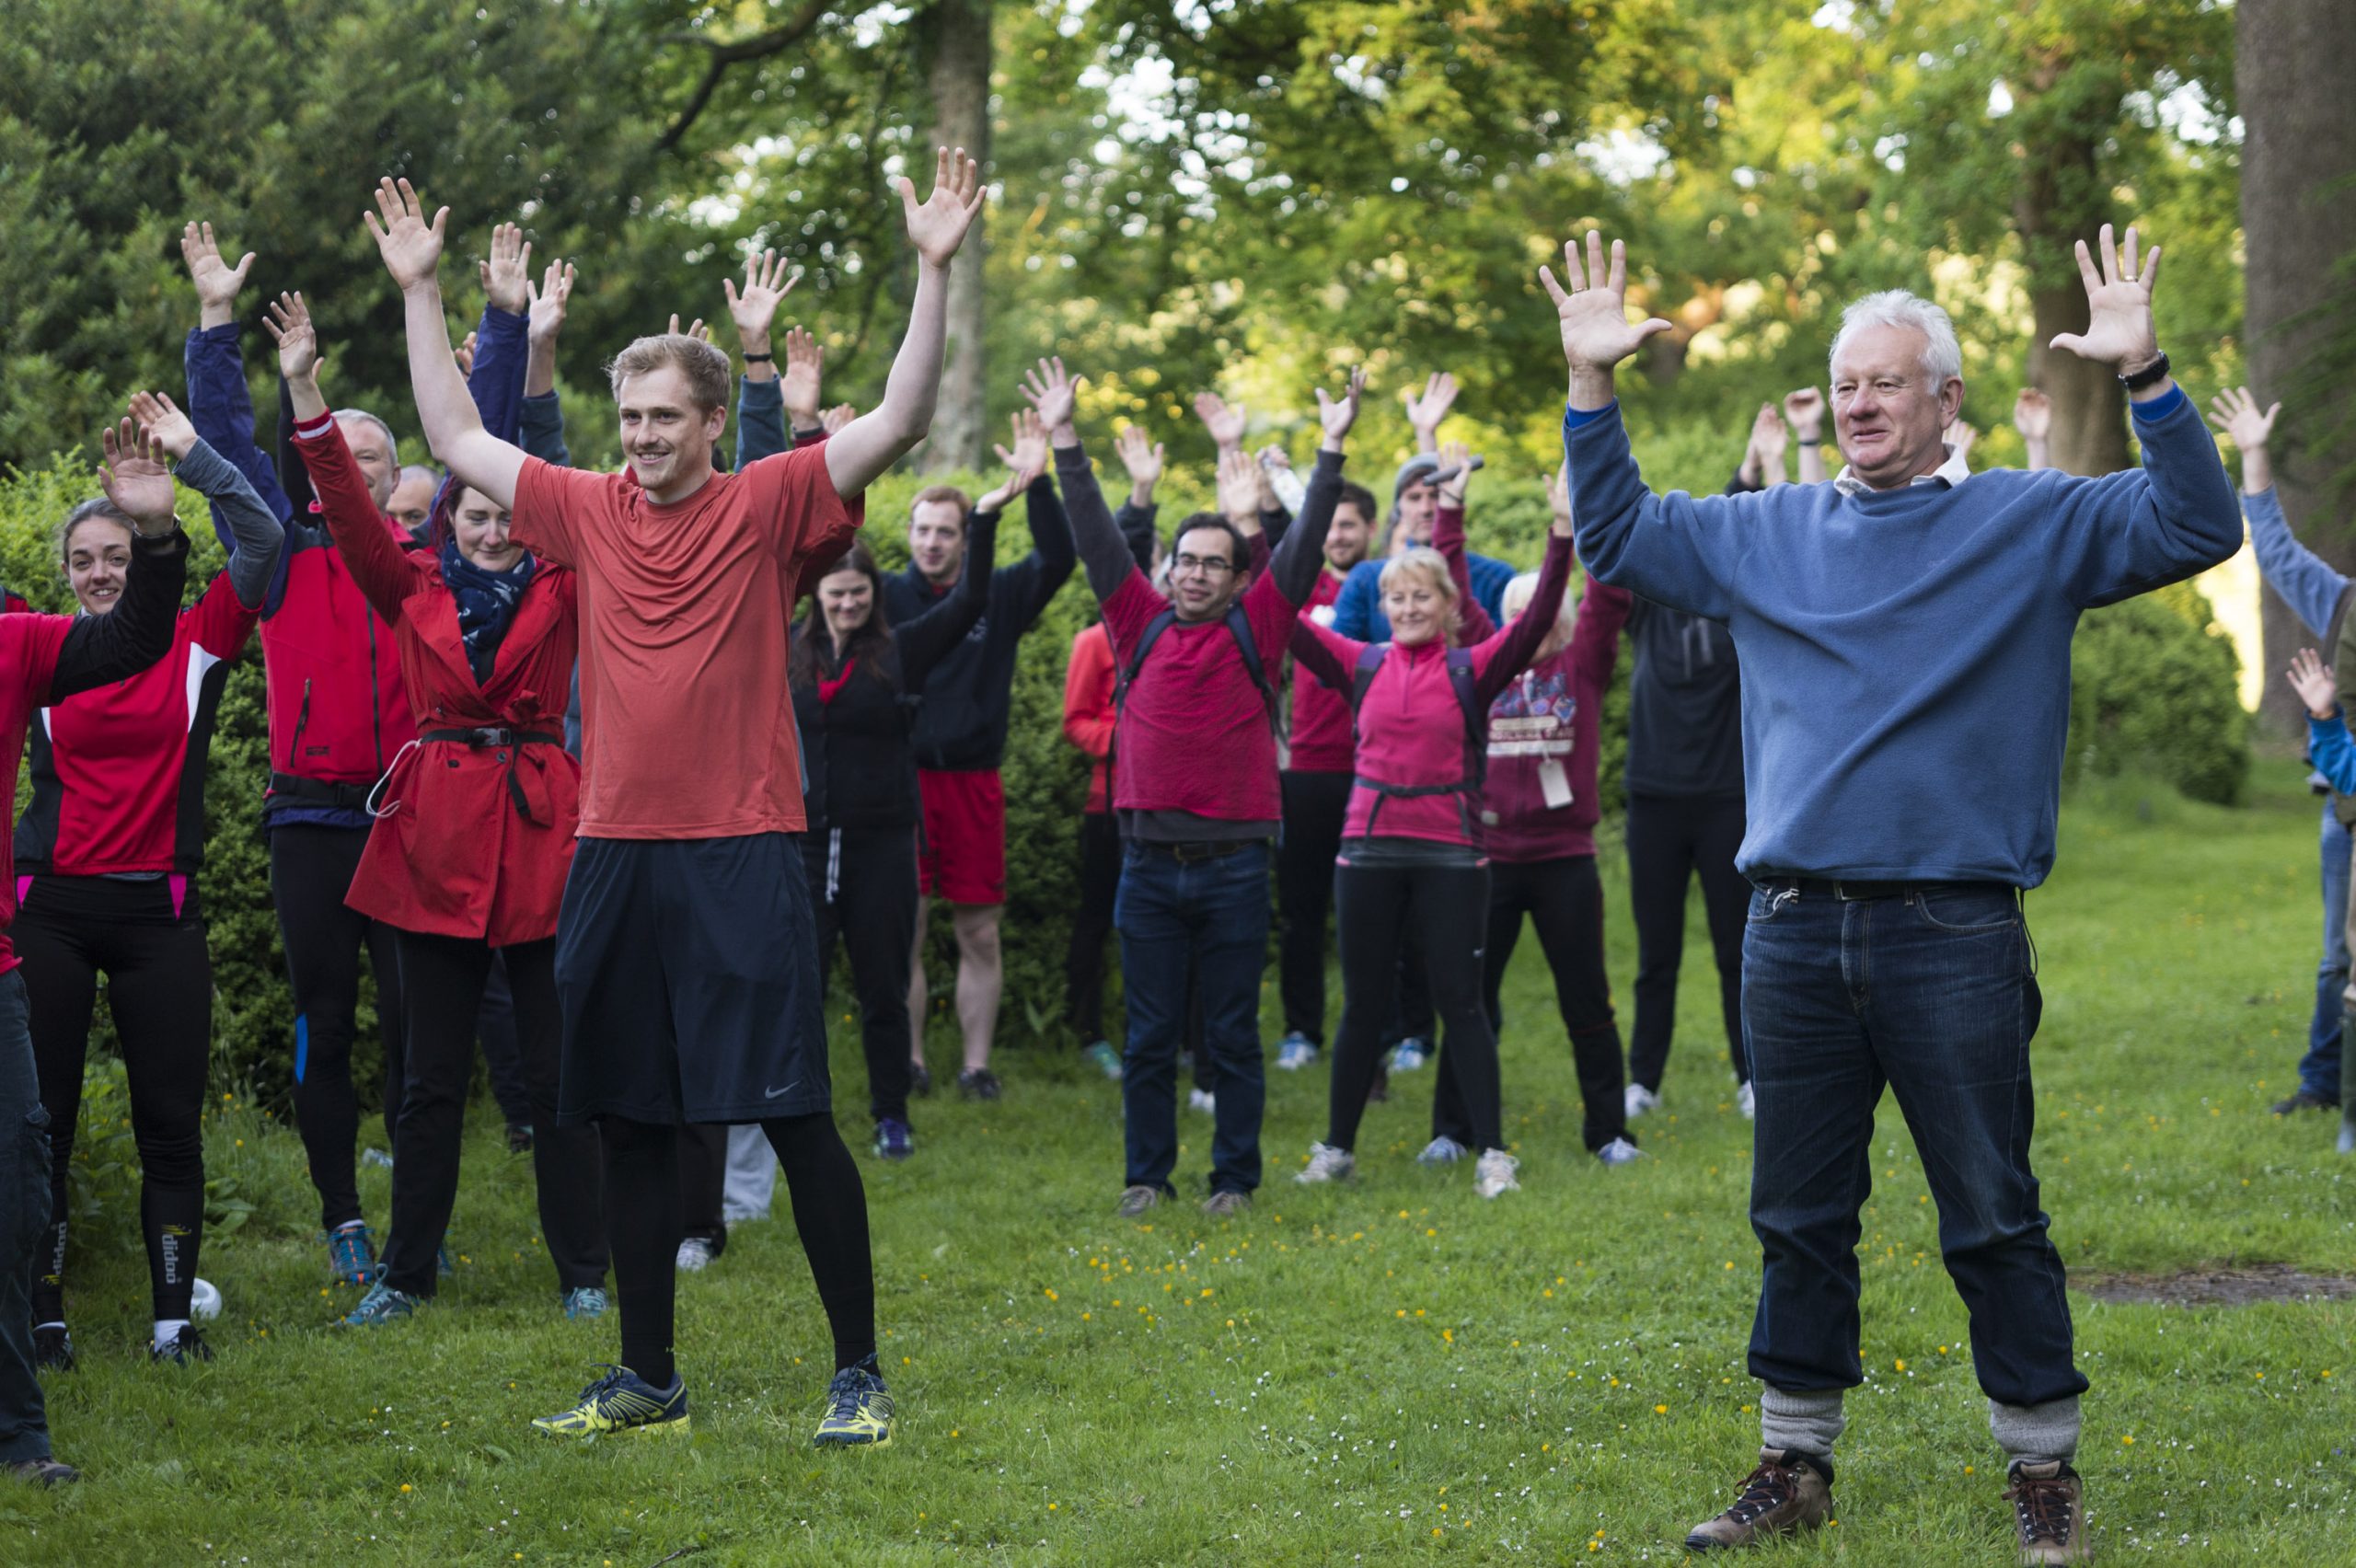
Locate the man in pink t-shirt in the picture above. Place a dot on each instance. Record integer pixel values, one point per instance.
(685, 957)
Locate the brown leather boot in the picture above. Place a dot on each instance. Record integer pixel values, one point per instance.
(2050, 1511)
(1786, 1494)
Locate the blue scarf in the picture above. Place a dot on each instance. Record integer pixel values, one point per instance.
(487, 602)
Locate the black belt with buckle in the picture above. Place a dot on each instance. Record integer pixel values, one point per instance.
(495, 735)
(1192, 850)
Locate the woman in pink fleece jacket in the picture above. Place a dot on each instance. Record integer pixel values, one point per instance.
(1410, 844)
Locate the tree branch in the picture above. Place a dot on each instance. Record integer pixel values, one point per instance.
(722, 56)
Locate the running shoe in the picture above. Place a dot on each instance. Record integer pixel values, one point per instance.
(1493, 1173)
(585, 1301)
(2305, 1100)
(1442, 1151)
(1295, 1050)
(1746, 1099)
(1227, 1204)
(377, 1158)
(1107, 1060)
(1619, 1151)
(381, 1304)
(920, 1080)
(893, 1139)
(978, 1083)
(52, 1348)
(44, 1471)
(859, 1412)
(1637, 1100)
(519, 1137)
(1202, 1099)
(1410, 1055)
(186, 1346)
(622, 1400)
(1326, 1163)
(1135, 1200)
(695, 1255)
(351, 1254)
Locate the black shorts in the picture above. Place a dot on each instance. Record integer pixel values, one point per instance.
(688, 973)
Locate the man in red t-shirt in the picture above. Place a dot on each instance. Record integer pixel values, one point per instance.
(685, 957)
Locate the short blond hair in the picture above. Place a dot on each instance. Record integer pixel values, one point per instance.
(705, 367)
(1524, 588)
(1421, 561)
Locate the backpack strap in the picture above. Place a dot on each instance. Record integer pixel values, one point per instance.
(1461, 679)
(1239, 626)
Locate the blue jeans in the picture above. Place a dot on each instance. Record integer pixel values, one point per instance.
(2319, 1068)
(1210, 915)
(24, 1217)
(1934, 994)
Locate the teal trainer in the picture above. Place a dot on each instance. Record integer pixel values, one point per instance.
(381, 1304)
(585, 1301)
(622, 1400)
(352, 1253)
(859, 1412)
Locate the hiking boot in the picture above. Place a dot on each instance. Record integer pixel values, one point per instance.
(1493, 1173)
(978, 1083)
(52, 1348)
(1786, 1494)
(1227, 1204)
(2305, 1100)
(1326, 1163)
(1636, 1099)
(1295, 1052)
(1107, 1059)
(1135, 1200)
(2049, 1513)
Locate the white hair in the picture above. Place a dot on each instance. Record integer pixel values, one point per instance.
(1942, 355)
(1524, 588)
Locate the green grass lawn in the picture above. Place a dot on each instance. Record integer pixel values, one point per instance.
(1366, 1373)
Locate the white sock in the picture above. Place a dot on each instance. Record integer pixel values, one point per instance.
(167, 1330)
(350, 1224)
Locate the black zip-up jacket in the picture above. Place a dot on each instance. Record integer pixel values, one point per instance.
(961, 725)
(856, 749)
(1685, 703)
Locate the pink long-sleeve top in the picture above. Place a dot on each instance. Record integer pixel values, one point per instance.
(1410, 724)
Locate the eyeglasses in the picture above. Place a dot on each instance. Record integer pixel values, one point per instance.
(1187, 565)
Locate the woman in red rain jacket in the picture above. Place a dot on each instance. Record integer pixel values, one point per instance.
(473, 837)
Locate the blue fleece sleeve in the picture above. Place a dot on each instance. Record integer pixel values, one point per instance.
(2333, 751)
(540, 430)
(2126, 533)
(1677, 549)
(760, 420)
(1358, 609)
(497, 382)
(223, 411)
(2303, 579)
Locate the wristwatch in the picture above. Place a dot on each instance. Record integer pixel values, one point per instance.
(2151, 375)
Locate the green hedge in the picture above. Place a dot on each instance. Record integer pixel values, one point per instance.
(2152, 692)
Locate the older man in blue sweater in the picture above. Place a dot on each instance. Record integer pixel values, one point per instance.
(1905, 639)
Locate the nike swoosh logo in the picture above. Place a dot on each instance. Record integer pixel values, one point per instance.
(789, 1089)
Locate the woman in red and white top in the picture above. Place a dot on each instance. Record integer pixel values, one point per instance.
(107, 853)
(1410, 844)
(473, 839)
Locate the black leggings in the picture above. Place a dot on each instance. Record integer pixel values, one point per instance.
(1315, 805)
(1447, 907)
(1670, 841)
(863, 888)
(1564, 898)
(1091, 923)
(642, 1212)
(159, 988)
(442, 980)
(495, 1027)
(310, 871)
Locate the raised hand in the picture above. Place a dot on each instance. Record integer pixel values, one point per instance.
(1591, 307)
(2312, 680)
(162, 424)
(1961, 434)
(410, 246)
(1456, 461)
(1141, 458)
(2236, 413)
(465, 354)
(1053, 394)
(1770, 438)
(1805, 409)
(936, 227)
(1558, 501)
(1334, 415)
(2118, 306)
(834, 418)
(1238, 489)
(1025, 461)
(288, 322)
(547, 300)
(2032, 416)
(134, 475)
(805, 363)
(217, 281)
(754, 307)
(1424, 412)
(695, 329)
(1222, 419)
(507, 275)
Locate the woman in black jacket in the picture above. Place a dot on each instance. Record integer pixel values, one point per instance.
(856, 681)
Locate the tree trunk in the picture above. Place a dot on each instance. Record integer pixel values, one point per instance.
(2061, 202)
(2298, 223)
(955, 38)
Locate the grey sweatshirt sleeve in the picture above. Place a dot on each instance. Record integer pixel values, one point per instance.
(256, 536)
(1103, 553)
(1302, 551)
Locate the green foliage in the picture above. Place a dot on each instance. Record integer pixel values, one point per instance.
(2152, 695)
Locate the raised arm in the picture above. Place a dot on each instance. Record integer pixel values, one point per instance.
(797, 388)
(1104, 554)
(257, 538)
(501, 362)
(1301, 554)
(760, 413)
(2033, 418)
(1424, 412)
(876, 440)
(1502, 655)
(376, 563)
(541, 418)
(1472, 622)
(1804, 412)
(2305, 581)
(412, 251)
(942, 627)
(100, 649)
(218, 404)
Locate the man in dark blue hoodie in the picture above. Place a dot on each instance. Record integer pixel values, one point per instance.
(1905, 634)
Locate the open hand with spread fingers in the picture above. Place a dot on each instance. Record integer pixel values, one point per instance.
(163, 425)
(937, 226)
(288, 322)
(834, 418)
(2119, 306)
(695, 329)
(547, 301)
(1591, 307)
(754, 307)
(410, 246)
(1238, 489)
(2236, 413)
(507, 274)
(1141, 458)
(217, 281)
(1223, 420)
(1425, 411)
(134, 478)
(1053, 394)
(1336, 415)
(805, 361)
(2312, 680)
(1025, 460)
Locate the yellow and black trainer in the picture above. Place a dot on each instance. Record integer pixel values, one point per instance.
(622, 1400)
(859, 1412)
